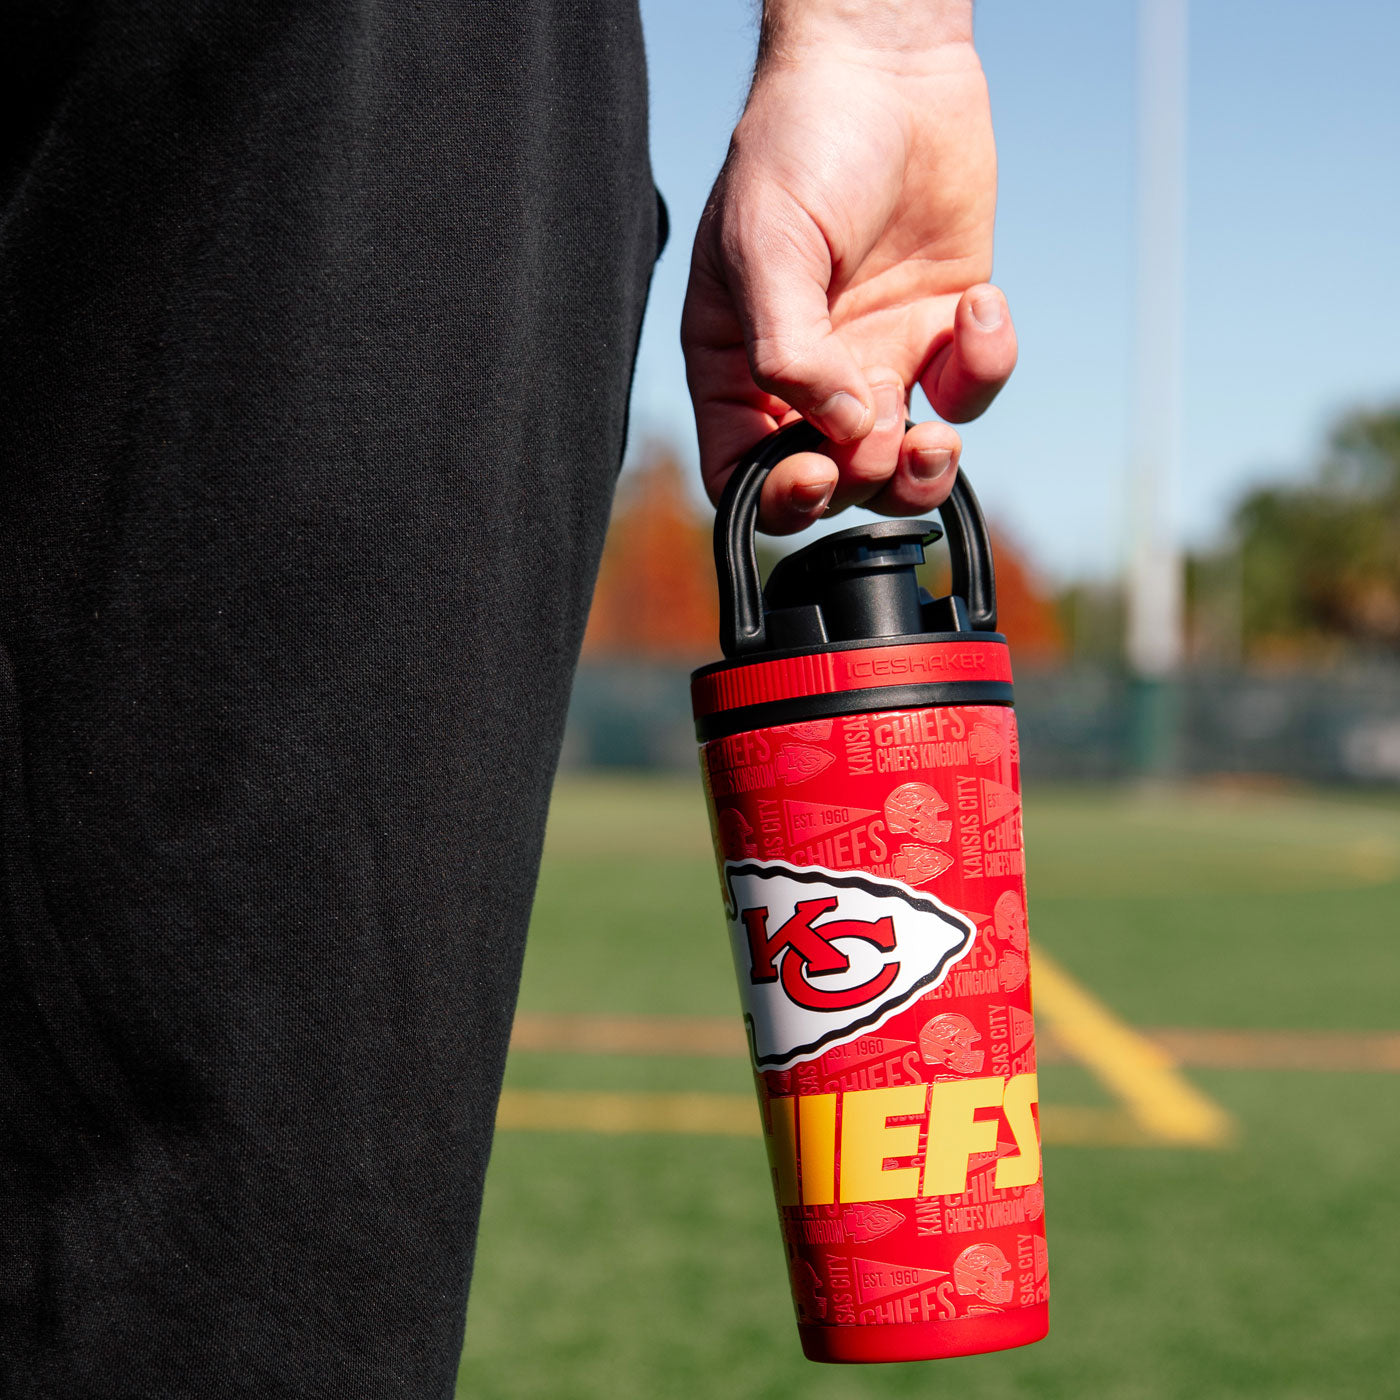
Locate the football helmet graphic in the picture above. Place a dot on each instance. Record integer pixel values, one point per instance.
(735, 835)
(985, 743)
(948, 1040)
(1010, 918)
(807, 1291)
(981, 1270)
(1011, 971)
(915, 808)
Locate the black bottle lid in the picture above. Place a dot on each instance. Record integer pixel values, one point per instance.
(856, 586)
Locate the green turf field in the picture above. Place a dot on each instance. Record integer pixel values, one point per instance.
(648, 1267)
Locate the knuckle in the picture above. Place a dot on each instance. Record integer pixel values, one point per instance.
(774, 363)
(869, 472)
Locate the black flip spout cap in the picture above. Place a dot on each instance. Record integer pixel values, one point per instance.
(859, 585)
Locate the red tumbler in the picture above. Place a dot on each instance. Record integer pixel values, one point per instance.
(860, 759)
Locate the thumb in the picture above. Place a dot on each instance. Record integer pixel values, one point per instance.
(779, 282)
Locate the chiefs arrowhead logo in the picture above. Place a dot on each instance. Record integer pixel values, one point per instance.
(817, 730)
(824, 956)
(796, 763)
(870, 1221)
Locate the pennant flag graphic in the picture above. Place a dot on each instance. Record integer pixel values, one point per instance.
(998, 801)
(1022, 1029)
(809, 820)
(868, 1047)
(878, 1279)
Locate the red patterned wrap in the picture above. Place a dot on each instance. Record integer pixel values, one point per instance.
(873, 876)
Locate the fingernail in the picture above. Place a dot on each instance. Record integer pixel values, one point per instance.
(811, 496)
(929, 463)
(889, 400)
(986, 311)
(841, 417)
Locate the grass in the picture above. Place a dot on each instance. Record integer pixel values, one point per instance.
(643, 1268)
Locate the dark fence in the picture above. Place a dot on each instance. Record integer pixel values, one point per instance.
(1339, 727)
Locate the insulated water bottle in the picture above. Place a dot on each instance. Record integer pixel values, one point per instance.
(860, 761)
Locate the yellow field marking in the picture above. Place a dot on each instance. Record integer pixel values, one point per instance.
(549, 1110)
(1143, 1075)
(736, 1115)
(630, 1035)
(1347, 1052)
(1203, 1047)
(1375, 861)
(1083, 1125)
(1156, 1103)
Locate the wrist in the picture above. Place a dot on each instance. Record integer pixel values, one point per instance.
(878, 30)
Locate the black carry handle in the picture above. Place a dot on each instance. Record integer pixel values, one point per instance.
(741, 625)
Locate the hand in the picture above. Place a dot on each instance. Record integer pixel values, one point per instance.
(842, 258)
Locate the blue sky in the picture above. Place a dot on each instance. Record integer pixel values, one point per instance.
(1292, 244)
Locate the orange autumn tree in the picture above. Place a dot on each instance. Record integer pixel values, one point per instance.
(656, 596)
(1025, 613)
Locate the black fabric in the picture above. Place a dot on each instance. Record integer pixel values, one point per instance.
(316, 326)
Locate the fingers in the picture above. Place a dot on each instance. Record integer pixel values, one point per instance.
(928, 464)
(967, 373)
(797, 493)
(805, 487)
(891, 472)
(866, 466)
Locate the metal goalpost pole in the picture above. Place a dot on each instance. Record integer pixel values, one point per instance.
(1155, 622)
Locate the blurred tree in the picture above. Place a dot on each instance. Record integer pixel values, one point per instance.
(1214, 607)
(1093, 618)
(1026, 613)
(1319, 561)
(656, 595)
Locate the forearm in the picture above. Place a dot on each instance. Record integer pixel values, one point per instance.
(893, 27)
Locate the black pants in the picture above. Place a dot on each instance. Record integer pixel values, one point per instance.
(317, 320)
